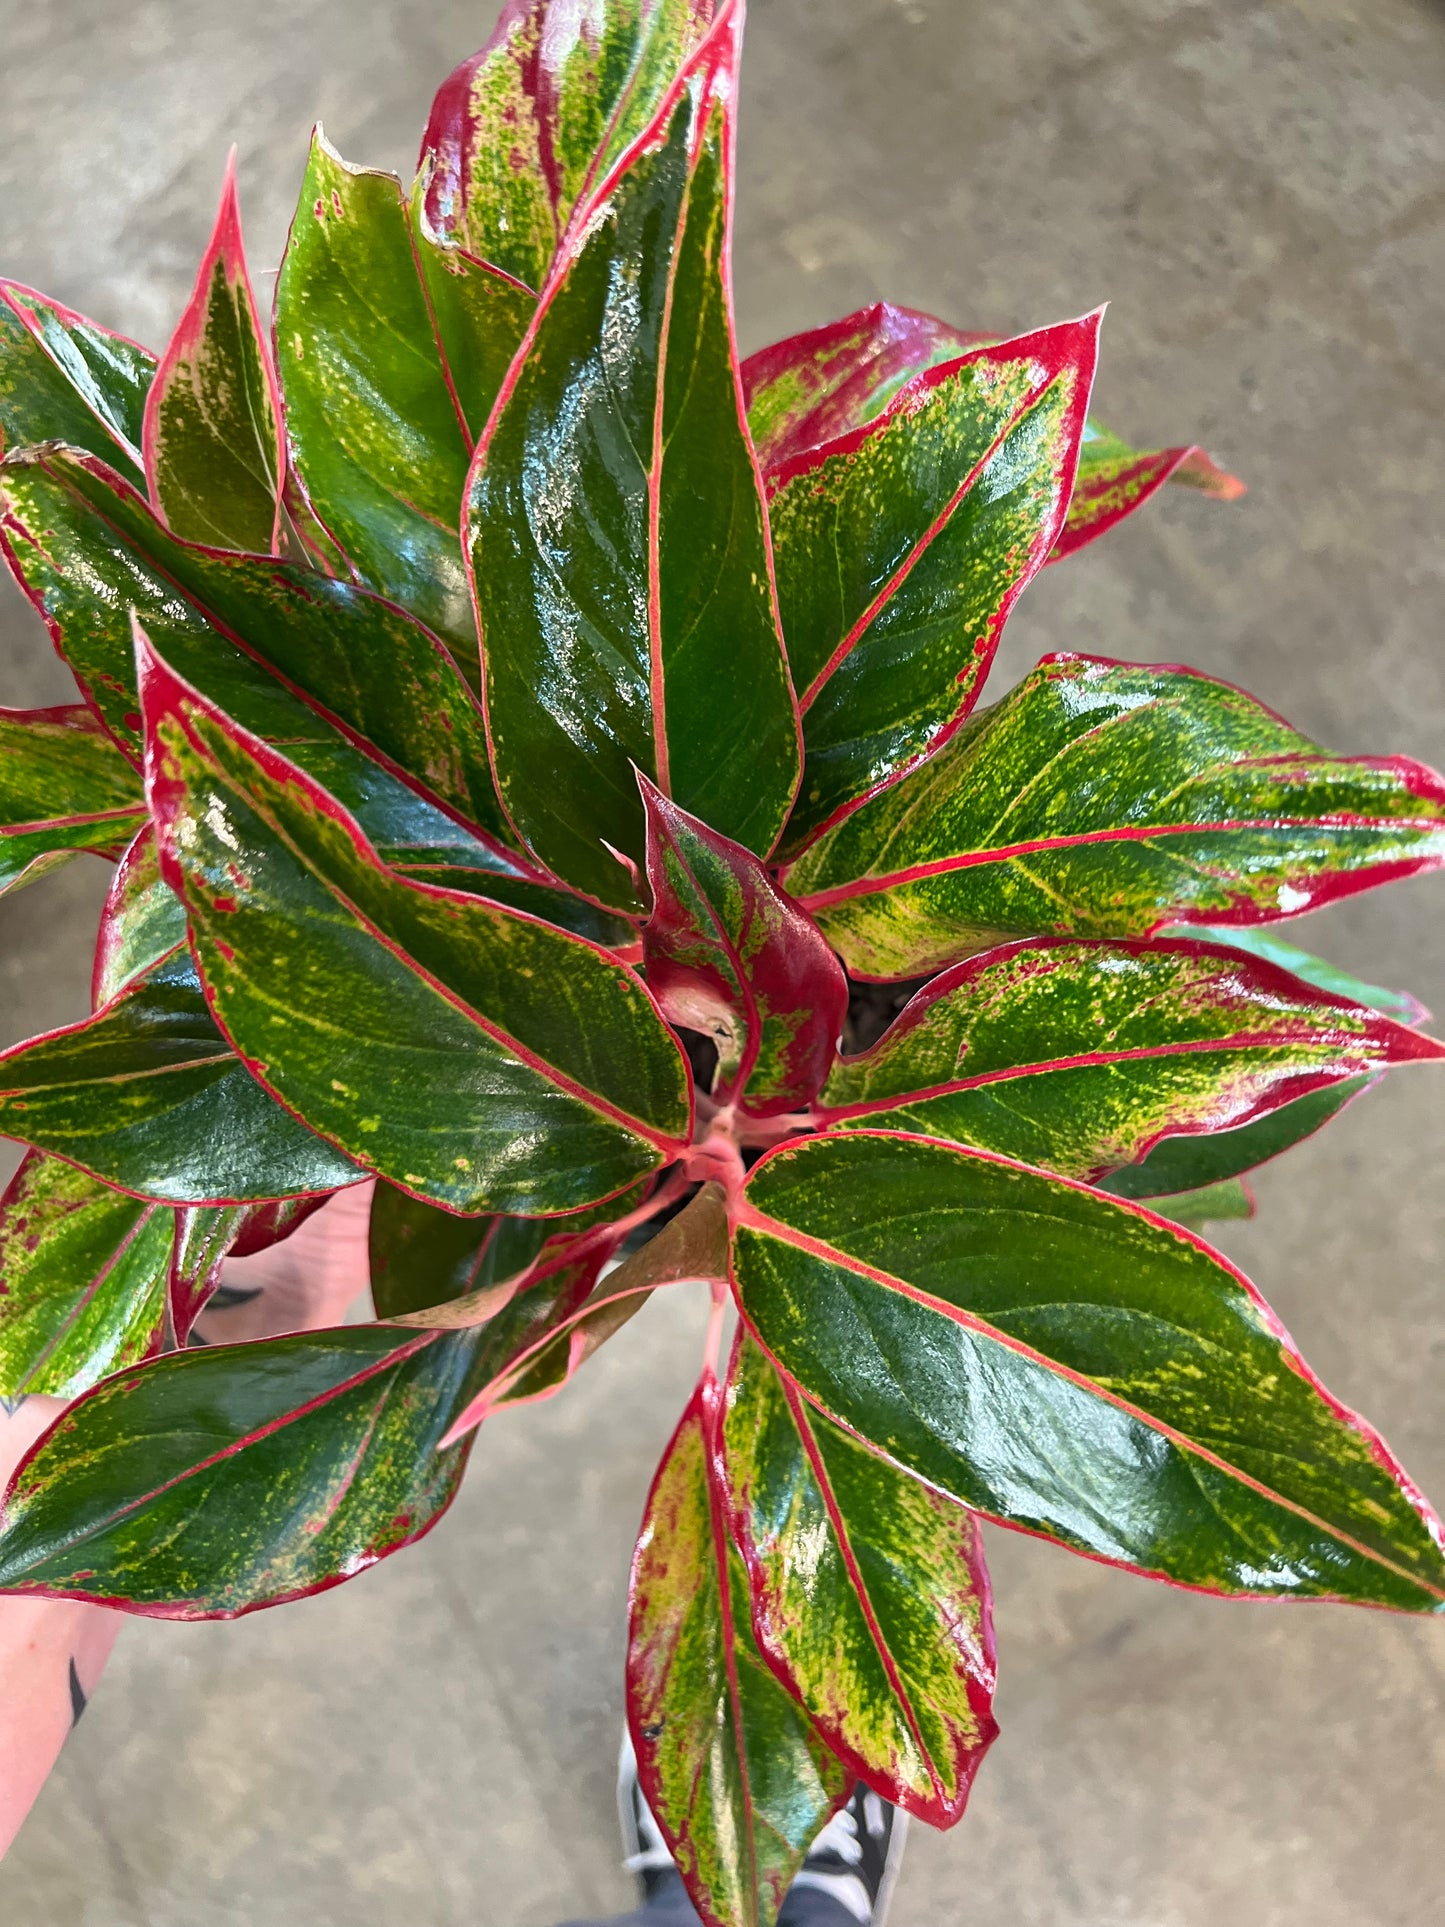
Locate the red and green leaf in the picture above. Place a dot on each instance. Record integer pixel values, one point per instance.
(738, 1780)
(470, 1054)
(1081, 1056)
(64, 378)
(149, 1096)
(64, 787)
(214, 459)
(1109, 799)
(83, 1279)
(1071, 1365)
(365, 698)
(616, 528)
(1115, 479)
(870, 1594)
(901, 548)
(727, 953)
(208, 1483)
(380, 433)
(817, 386)
(1191, 1164)
(522, 136)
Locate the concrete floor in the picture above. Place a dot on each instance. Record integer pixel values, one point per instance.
(1258, 186)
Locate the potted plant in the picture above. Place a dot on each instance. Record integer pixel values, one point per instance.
(539, 754)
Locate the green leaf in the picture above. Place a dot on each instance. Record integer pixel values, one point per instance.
(1080, 1056)
(63, 378)
(828, 382)
(1115, 479)
(1058, 1360)
(83, 1278)
(1210, 1204)
(335, 676)
(64, 787)
(870, 1594)
(377, 423)
(422, 1256)
(148, 1095)
(1189, 1163)
(469, 1054)
(212, 438)
(143, 921)
(480, 315)
(1268, 944)
(523, 133)
(738, 1781)
(208, 1483)
(901, 549)
(1107, 799)
(617, 534)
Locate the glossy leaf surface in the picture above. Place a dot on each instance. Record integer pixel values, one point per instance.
(148, 1095)
(870, 1594)
(63, 788)
(1107, 799)
(376, 425)
(83, 1277)
(1080, 1056)
(816, 386)
(727, 953)
(317, 665)
(617, 534)
(479, 314)
(523, 133)
(63, 378)
(901, 548)
(212, 437)
(1067, 1364)
(1187, 1164)
(1217, 1203)
(470, 1055)
(739, 1783)
(211, 1482)
(143, 921)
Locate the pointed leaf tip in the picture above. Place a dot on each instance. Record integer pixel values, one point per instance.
(214, 457)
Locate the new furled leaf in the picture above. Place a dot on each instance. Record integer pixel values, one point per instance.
(1109, 799)
(902, 547)
(1081, 1056)
(214, 459)
(870, 1594)
(468, 1053)
(738, 1780)
(616, 530)
(1071, 1365)
(727, 953)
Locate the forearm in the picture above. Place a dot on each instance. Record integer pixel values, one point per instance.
(52, 1652)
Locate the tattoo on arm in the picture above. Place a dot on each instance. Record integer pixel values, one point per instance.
(77, 1697)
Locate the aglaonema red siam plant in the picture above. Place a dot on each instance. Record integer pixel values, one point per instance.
(531, 744)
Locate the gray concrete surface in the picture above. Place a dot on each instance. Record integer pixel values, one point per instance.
(1259, 189)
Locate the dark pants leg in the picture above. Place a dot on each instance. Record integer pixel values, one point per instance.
(670, 1908)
